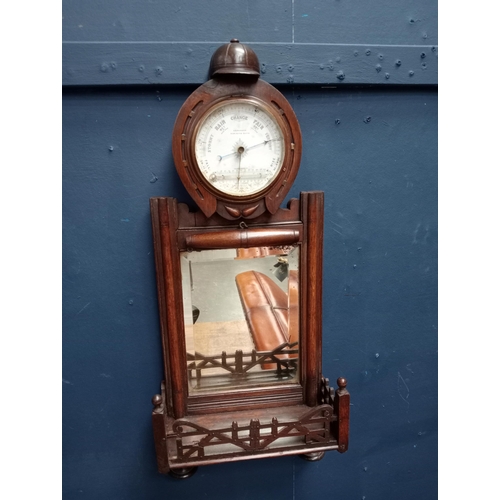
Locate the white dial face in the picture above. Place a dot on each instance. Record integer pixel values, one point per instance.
(239, 147)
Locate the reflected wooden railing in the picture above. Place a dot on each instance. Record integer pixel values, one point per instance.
(284, 357)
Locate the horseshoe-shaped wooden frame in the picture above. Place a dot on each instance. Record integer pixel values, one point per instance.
(192, 113)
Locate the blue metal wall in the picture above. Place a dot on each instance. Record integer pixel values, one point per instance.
(371, 148)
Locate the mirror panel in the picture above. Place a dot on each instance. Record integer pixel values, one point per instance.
(241, 317)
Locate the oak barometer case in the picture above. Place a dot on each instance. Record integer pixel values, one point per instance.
(239, 284)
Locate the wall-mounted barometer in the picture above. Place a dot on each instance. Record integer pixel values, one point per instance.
(239, 284)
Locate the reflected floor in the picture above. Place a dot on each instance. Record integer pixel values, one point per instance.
(257, 378)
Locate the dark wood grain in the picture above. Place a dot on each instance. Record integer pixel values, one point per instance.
(162, 302)
(192, 220)
(174, 306)
(243, 238)
(159, 427)
(342, 408)
(313, 213)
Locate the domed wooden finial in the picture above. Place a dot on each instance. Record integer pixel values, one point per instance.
(156, 400)
(342, 382)
(234, 58)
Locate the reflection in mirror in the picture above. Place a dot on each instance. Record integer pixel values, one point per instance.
(241, 316)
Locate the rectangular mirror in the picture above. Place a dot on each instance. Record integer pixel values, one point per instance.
(241, 317)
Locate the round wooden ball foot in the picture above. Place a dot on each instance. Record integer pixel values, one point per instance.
(182, 473)
(314, 456)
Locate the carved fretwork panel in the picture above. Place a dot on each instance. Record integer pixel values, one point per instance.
(311, 428)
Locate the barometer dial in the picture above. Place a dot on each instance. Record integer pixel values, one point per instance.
(239, 147)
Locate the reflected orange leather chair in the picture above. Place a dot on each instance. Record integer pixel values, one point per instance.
(265, 305)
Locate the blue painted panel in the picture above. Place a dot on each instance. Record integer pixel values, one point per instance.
(189, 20)
(374, 153)
(297, 41)
(187, 63)
(392, 22)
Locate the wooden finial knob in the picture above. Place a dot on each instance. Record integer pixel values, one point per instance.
(156, 400)
(342, 382)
